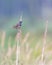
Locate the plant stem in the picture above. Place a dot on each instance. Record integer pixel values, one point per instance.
(44, 42)
(18, 48)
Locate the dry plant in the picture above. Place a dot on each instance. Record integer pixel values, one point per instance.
(44, 43)
(23, 53)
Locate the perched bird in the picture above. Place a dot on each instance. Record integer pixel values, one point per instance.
(19, 24)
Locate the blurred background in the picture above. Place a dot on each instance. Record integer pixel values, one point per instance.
(35, 13)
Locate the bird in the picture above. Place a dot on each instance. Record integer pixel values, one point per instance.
(19, 24)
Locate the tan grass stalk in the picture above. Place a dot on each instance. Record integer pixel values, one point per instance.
(14, 48)
(48, 53)
(27, 47)
(37, 60)
(38, 45)
(28, 55)
(18, 36)
(49, 46)
(50, 62)
(0, 36)
(28, 51)
(26, 37)
(3, 39)
(9, 52)
(44, 43)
